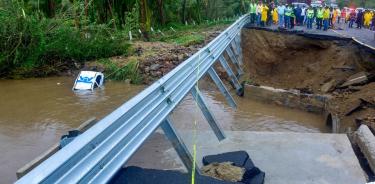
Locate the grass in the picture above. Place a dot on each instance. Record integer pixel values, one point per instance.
(128, 71)
(187, 35)
(188, 40)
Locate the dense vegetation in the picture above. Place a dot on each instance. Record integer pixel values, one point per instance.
(37, 37)
(357, 3)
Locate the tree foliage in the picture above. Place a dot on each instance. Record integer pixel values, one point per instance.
(35, 33)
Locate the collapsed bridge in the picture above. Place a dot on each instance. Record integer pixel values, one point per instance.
(99, 153)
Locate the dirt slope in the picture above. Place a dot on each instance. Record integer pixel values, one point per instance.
(291, 61)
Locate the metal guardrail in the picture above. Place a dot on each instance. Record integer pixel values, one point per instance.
(96, 155)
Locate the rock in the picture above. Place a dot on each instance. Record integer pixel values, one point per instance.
(356, 79)
(354, 88)
(344, 68)
(180, 57)
(127, 81)
(154, 67)
(359, 105)
(225, 171)
(329, 86)
(176, 62)
(156, 74)
(147, 69)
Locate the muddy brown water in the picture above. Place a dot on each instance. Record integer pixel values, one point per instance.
(34, 113)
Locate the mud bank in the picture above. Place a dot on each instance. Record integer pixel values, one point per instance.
(313, 64)
(156, 59)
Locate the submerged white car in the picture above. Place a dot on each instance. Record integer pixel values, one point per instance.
(88, 80)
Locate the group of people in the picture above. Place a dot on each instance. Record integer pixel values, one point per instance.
(287, 16)
(364, 19)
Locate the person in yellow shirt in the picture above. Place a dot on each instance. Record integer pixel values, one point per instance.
(264, 14)
(275, 16)
(326, 12)
(367, 19)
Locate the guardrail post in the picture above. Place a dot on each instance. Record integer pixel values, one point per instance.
(234, 60)
(237, 40)
(230, 73)
(233, 44)
(222, 87)
(177, 143)
(207, 113)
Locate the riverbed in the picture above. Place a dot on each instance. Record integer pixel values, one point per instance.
(34, 113)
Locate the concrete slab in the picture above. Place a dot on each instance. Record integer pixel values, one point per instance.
(292, 158)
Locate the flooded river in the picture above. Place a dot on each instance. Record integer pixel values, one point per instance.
(34, 113)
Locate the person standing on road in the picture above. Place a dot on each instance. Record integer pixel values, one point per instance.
(288, 13)
(253, 12)
(319, 18)
(326, 18)
(264, 15)
(275, 16)
(343, 15)
(270, 6)
(310, 17)
(367, 19)
(330, 16)
(359, 19)
(293, 17)
(352, 18)
(281, 12)
(334, 17)
(259, 13)
(304, 15)
(373, 21)
(338, 11)
(298, 15)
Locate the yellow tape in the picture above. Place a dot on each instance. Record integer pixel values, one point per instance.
(195, 129)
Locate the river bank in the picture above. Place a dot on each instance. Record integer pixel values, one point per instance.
(139, 62)
(155, 59)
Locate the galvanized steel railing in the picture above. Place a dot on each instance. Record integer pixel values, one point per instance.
(97, 154)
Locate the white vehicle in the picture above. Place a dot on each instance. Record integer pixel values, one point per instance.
(300, 5)
(88, 80)
(333, 5)
(316, 4)
(359, 8)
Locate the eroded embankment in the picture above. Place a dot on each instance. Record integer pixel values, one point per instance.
(291, 61)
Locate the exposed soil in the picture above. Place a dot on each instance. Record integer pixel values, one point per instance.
(292, 61)
(158, 58)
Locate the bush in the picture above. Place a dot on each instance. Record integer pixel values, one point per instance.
(29, 42)
(129, 71)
